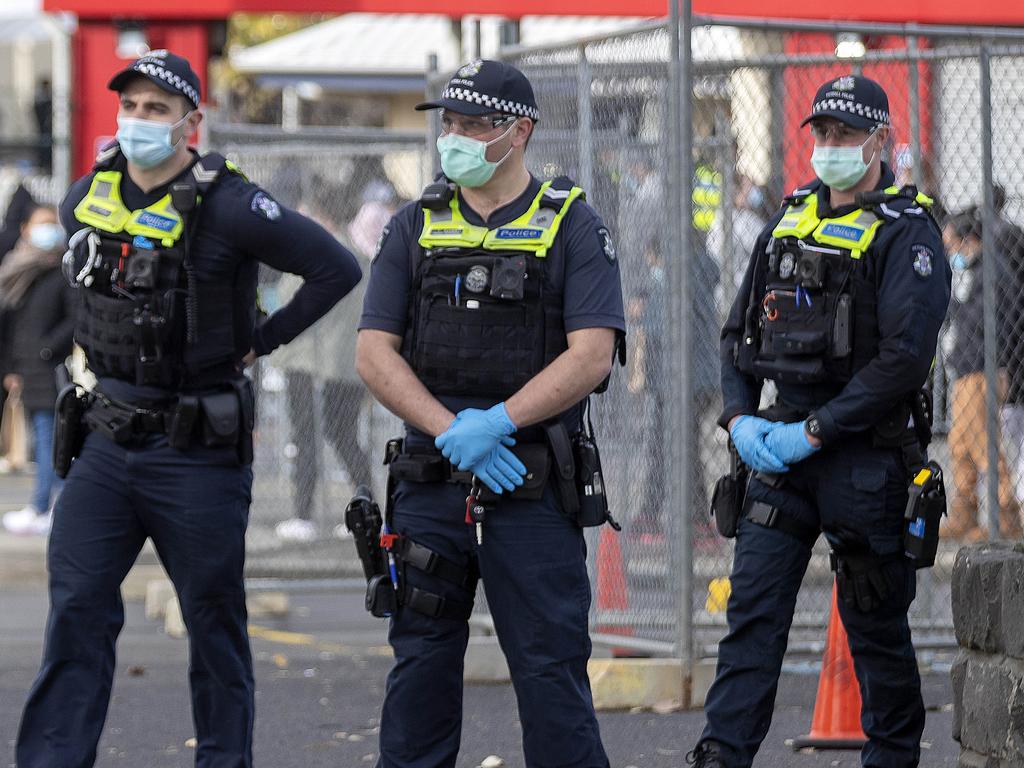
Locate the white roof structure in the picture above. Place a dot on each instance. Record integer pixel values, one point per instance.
(23, 8)
(366, 44)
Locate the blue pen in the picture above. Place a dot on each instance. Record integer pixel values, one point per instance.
(458, 285)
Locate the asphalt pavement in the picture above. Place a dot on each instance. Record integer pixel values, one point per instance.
(320, 675)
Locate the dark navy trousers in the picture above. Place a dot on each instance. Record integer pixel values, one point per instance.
(195, 507)
(858, 494)
(533, 566)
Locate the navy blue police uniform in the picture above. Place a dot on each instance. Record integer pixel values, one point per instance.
(532, 559)
(141, 472)
(887, 257)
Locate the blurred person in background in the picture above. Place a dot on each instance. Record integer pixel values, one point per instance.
(42, 111)
(16, 204)
(37, 308)
(320, 365)
(748, 219)
(1010, 243)
(964, 347)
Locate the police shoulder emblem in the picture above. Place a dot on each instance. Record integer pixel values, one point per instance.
(266, 206)
(606, 243)
(923, 259)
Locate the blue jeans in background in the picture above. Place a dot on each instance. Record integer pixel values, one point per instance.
(47, 485)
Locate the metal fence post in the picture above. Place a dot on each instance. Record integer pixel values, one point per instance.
(433, 119)
(915, 110)
(585, 141)
(989, 277)
(680, 384)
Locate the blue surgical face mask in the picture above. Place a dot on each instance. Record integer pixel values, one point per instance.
(841, 167)
(146, 143)
(958, 260)
(46, 236)
(464, 160)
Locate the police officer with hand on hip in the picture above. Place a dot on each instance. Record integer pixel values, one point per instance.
(493, 310)
(165, 247)
(840, 307)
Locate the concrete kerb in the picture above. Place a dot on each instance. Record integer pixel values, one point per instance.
(616, 683)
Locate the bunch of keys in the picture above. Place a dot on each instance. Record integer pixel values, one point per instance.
(475, 510)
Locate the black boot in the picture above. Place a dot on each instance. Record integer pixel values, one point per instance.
(707, 754)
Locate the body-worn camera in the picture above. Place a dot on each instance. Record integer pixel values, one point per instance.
(810, 270)
(507, 278)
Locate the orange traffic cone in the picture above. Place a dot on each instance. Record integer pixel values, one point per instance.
(612, 592)
(836, 723)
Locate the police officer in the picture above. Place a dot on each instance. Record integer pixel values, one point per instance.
(493, 307)
(840, 307)
(166, 247)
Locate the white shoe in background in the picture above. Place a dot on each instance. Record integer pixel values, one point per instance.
(296, 529)
(27, 521)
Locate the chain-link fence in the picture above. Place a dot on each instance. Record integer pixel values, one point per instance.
(319, 433)
(608, 120)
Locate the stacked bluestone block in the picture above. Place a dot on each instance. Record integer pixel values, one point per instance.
(988, 675)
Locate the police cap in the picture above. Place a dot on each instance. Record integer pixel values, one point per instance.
(483, 87)
(852, 99)
(171, 73)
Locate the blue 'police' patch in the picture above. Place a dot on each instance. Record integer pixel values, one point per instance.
(843, 231)
(518, 233)
(923, 260)
(606, 243)
(163, 223)
(266, 206)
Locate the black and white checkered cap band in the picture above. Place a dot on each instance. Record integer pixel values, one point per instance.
(854, 108)
(154, 70)
(498, 105)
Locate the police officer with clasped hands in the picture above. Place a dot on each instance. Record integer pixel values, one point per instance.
(493, 310)
(840, 307)
(165, 247)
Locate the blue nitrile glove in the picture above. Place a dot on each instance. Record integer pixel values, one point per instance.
(473, 434)
(500, 469)
(790, 442)
(748, 436)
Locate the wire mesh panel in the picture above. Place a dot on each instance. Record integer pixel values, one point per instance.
(319, 433)
(606, 118)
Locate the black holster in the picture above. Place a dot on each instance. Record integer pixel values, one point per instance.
(729, 495)
(364, 521)
(69, 431)
(385, 558)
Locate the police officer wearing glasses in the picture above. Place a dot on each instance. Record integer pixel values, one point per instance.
(840, 307)
(493, 310)
(165, 248)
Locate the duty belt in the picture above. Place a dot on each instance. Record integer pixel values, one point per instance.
(120, 421)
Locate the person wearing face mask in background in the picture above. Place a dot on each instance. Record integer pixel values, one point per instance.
(493, 310)
(964, 347)
(845, 291)
(37, 308)
(164, 248)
